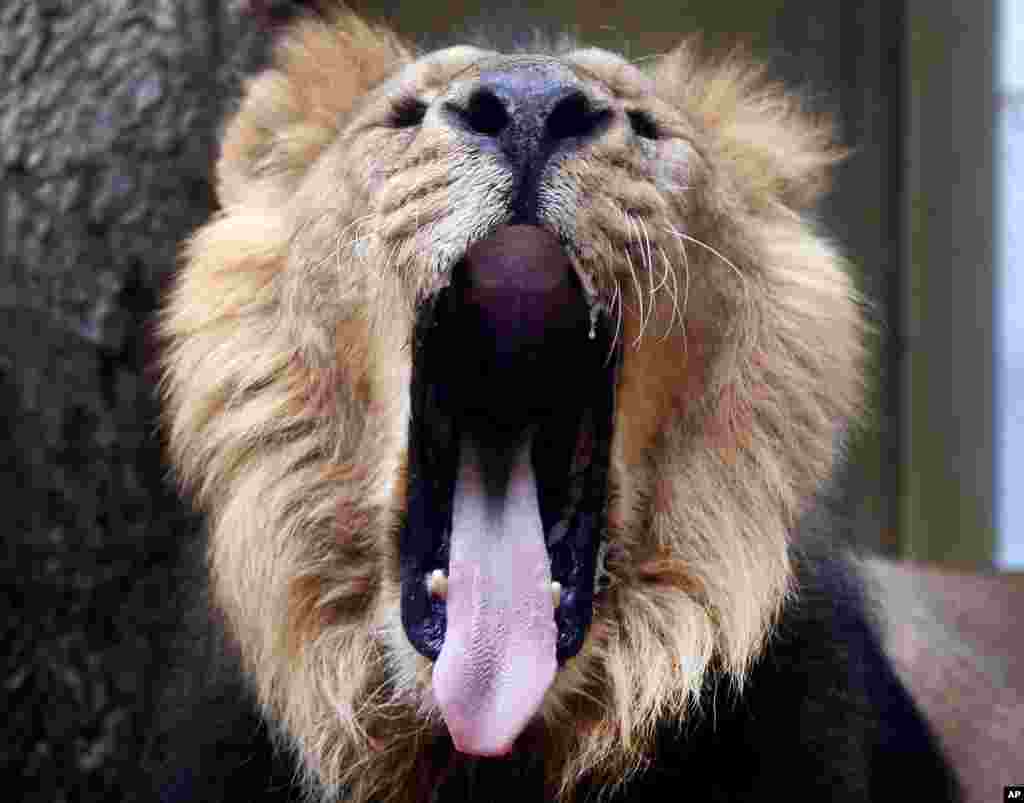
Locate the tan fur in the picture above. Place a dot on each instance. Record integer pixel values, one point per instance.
(288, 367)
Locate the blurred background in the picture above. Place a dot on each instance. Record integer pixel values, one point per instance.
(1009, 283)
(109, 113)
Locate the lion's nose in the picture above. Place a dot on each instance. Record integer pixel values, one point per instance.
(529, 112)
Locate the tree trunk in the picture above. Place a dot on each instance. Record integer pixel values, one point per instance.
(108, 119)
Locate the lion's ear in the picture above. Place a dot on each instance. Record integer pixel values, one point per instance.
(293, 110)
(762, 132)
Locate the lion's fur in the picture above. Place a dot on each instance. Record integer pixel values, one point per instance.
(288, 365)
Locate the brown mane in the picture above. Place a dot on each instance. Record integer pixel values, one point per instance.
(287, 374)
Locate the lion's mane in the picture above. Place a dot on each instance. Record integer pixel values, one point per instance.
(287, 370)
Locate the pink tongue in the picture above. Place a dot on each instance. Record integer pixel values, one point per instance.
(498, 656)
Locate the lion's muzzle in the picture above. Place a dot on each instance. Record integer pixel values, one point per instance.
(528, 114)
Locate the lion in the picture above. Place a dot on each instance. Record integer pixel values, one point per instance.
(508, 385)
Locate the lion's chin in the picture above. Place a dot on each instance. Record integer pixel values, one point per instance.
(512, 401)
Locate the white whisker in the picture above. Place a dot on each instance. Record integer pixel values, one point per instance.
(686, 288)
(744, 280)
(639, 292)
(673, 295)
(617, 303)
(635, 232)
(649, 265)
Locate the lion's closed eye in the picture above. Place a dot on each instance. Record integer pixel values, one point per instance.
(643, 124)
(407, 112)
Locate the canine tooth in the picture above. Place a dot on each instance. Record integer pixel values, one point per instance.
(556, 592)
(437, 584)
(602, 577)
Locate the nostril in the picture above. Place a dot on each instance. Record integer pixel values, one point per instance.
(573, 116)
(528, 112)
(485, 113)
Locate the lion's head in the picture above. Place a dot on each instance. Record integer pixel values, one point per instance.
(503, 379)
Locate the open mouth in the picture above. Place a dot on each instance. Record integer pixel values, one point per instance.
(512, 401)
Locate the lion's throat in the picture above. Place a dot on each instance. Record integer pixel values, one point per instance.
(498, 657)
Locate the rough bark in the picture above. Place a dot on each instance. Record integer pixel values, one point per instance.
(108, 118)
